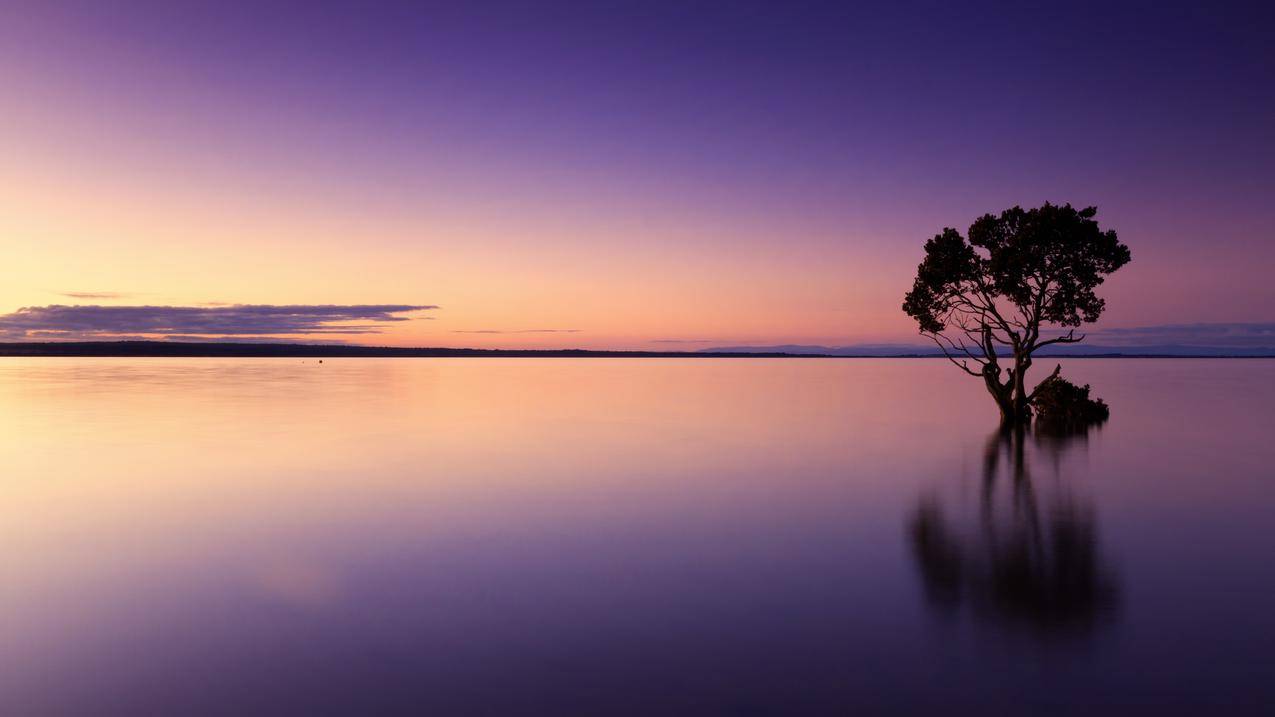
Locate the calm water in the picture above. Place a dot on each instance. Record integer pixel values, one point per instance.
(554, 536)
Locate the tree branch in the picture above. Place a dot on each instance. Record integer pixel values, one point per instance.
(1057, 370)
(1070, 338)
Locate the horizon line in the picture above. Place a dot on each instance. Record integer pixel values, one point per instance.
(249, 349)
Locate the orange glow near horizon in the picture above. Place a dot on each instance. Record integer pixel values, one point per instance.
(85, 228)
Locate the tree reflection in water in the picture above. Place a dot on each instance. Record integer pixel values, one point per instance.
(1024, 561)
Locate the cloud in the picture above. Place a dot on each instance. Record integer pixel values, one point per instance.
(1221, 335)
(687, 341)
(516, 331)
(237, 320)
(94, 295)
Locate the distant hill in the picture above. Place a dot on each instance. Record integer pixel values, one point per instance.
(856, 350)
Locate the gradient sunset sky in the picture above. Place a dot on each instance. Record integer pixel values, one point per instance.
(614, 175)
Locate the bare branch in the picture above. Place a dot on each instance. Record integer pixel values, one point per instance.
(959, 364)
(959, 346)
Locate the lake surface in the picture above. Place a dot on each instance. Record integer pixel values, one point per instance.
(628, 536)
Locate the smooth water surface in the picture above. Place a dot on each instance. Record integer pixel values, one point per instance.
(628, 536)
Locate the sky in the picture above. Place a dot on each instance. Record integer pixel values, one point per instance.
(611, 174)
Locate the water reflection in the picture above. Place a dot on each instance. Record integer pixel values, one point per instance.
(506, 536)
(1027, 557)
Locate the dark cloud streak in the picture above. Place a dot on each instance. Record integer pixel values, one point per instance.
(1222, 335)
(244, 320)
(94, 295)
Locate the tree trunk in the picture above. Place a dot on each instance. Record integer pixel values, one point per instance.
(1003, 394)
(1010, 396)
(1022, 409)
(1014, 412)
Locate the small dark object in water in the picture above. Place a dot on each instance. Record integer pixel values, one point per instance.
(1062, 406)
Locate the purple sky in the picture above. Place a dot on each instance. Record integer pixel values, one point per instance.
(719, 171)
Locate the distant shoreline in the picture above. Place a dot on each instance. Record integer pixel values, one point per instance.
(176, 349)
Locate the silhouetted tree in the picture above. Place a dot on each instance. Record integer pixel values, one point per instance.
(987, 297)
